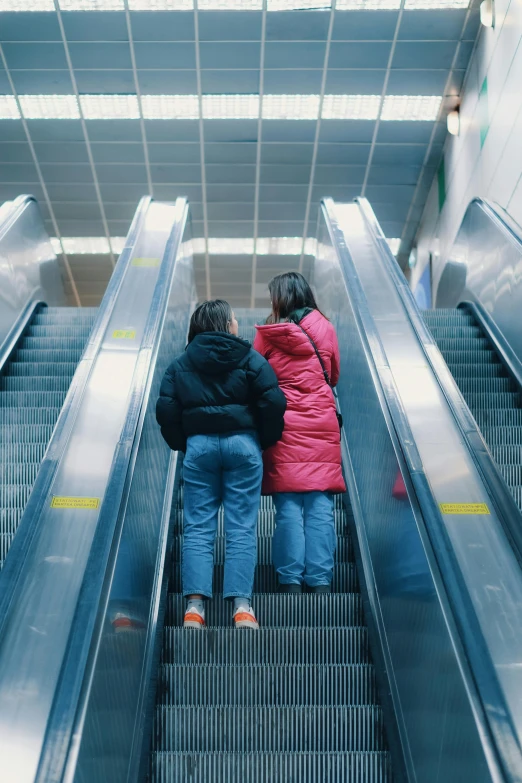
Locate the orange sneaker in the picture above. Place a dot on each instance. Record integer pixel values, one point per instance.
(193, 619)
(245, 618)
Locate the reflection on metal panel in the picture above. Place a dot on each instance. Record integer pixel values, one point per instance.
(37, 625)
(485, 265)
(28, 266)
(436, 716)
(111, 744)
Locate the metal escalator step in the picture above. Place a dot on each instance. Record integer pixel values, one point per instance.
(31, 399)
(495, 401)
(265, 579)
(343, 553)
(507, 455)
(470, 356)
(512, 474)
(5, 543)
(502, 436)
(64, 319)
(10, 519)
(498, 418)
(58, 383)
(19, 434)
(14, 495)
(486, 385)
(453, 331)
(269, 728)
(52, 343)
(447, 314)
(479, 371)
(16, 473)
(40, 369)
(267, 646)
(462, 344)
(48, 355)
(276, 610)
(259, 767)
(280, 685)
(517, 494)
(74, 331)
(21, 452)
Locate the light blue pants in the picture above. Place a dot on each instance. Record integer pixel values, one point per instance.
(304, 539)
(221, 469)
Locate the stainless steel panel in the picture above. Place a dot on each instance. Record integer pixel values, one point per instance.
(437, 713)
(485, 265)
(28, 265)
(111, 741)
(39, 619)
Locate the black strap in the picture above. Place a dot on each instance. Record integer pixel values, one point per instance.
(314, 346)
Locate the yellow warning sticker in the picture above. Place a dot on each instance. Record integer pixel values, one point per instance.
(464, 508)
(145, 262)
(124, 334)
(64, 502)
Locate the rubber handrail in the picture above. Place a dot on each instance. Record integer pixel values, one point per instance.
(495, 729)
(500, 217)
(19, 204)
(489, 326)
(16, 332)
(72, 692)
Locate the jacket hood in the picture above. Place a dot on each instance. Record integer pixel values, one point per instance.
(288, 337)
(217, 352)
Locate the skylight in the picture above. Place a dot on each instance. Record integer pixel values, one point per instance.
(49, 107)
(110, 107)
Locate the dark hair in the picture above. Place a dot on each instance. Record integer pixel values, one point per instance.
(289, 292)
(212, 316)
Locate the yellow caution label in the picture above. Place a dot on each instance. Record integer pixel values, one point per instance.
(124, 334)
(145, 262)
(464, 508)
(65, 502)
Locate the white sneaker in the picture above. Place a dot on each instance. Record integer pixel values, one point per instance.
(193, 619)
(245, 618)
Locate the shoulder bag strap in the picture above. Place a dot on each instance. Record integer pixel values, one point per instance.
(314, 346)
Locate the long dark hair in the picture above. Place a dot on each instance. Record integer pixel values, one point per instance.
(289, 292)
(212, 316)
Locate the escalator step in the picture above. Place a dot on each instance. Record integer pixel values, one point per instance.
(502, 435)
(480, 402)
(48, 355)
(481, 371)
(19, 434)
(468, 331)
(265, 580)
(512, 474)
(280, 611)
(57, 383)
(269, 728)
(282, 685)
(486, 385)
(32, 399)
(470, 356)
(52, 343)
(343, 553)
(260, 767)
(507, 455)
(267, 646)
(27, 416)
(41, 369)
(463, 344)
(499, 418)
(16, 473)
(10, 519)
(265, 523)
(74, 331)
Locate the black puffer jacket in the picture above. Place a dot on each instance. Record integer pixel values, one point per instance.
(220, 384)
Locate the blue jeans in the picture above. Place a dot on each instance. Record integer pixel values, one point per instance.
(304, 537)
(221, 469)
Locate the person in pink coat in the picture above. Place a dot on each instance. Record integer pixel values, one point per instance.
(303, 470)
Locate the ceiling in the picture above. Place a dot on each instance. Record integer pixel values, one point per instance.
(260, 175)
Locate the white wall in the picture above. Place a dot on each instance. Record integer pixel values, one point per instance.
(493, 170)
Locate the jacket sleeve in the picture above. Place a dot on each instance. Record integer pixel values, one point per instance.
(169, 412)
(336, 361)
(268, 401)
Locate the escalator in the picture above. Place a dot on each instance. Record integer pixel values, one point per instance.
(488, 387)
(34, 382)
(295, 701)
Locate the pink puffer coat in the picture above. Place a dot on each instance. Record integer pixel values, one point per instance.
(308, 457)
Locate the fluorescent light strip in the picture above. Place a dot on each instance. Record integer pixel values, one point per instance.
(8, 108)
(290, 107)
(430, 5)
(224, 107)
(170, 107)
(417, 108)
(26, 5)
(110, 107)
(161, 5)
(221, 107)
(298, 5)
(92, 5)
(351, 107)
(368, 5)
(49, 107)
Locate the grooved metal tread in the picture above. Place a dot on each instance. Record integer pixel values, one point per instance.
(490, 392)
(295, 701)
(33, 387)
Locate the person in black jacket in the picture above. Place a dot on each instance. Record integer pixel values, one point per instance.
(221, 404)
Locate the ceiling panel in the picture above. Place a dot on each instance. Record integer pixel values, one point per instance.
(244, 177)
